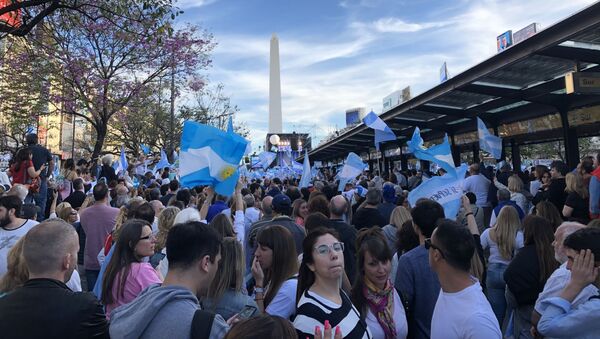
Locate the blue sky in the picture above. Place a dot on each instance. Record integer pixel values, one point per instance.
(339, 54)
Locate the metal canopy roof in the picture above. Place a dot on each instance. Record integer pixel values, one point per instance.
(523, 82)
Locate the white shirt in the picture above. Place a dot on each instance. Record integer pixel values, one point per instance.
(555, 284)
(466, 314)
(8, 239)
(534, 186)
(74, 282)
(4, 180)
(495, 256)
(284, 301)
(479, 185)
(399, 321)
(252, 214)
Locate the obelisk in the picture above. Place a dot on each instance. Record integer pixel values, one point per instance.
(275, 124)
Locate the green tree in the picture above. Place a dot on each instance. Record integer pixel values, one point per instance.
(102, 65)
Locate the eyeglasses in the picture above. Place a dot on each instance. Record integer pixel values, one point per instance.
(429, 245)
(326, 249)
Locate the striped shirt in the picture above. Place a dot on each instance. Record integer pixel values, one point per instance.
(313, 310)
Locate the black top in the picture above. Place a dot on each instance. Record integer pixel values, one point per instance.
(297, 231)
(386, 209)
(165, 199)
(348, 237)
(47, 308)
(312, 311)
(108, 173)
(76, 199)
(40, 156)
(368, 217)
(580, 207)
(522, 276)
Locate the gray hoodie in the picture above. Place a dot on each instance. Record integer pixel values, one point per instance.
(161, 312)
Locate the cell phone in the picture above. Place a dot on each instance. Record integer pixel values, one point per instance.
(247, 312)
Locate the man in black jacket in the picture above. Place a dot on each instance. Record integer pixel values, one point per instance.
(45, 307)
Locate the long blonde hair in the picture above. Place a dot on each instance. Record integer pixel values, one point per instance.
(230, 273)
(575, 184)
(505, 232)
(17, 272)
(399, 216)
(166, 220)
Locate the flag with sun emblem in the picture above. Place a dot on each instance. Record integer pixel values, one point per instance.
(210, 156)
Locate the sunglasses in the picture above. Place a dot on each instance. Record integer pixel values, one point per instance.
(326, 249)
(148, 237)
(429, 245)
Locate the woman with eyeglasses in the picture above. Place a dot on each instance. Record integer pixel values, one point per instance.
(373, 292)
(126, 275)
(321, 301)
(275, 269)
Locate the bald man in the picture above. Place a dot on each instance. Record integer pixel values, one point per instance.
(44, 307)
(338, 207)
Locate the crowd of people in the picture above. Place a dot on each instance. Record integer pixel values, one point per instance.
(92, 253)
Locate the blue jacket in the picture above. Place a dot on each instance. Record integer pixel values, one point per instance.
(595, 194)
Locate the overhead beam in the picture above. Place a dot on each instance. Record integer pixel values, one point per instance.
(574, 54)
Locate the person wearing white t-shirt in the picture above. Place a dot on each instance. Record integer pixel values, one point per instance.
(462, 310)
(12, 228)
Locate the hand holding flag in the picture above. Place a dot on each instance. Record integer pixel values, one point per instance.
(210, 156)
(488, 142)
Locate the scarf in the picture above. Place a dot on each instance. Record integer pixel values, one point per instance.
(381, 303)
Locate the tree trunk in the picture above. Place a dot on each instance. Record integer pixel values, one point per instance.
(100, 136)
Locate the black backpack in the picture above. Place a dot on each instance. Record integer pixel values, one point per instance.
(202, 324)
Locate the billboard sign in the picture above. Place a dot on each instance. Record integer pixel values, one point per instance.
(525, 33)
(406, 94)
(354, 116)
(504, 41)
(392, 101)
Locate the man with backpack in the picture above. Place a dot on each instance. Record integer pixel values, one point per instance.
(171, 310)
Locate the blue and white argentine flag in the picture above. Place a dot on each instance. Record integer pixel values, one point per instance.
(266, 158)
(439, 154)
(353, 167)
(306, 172)
(382, 131)
(163, 162)
(210, 156)
(488, 142)
(446, 190)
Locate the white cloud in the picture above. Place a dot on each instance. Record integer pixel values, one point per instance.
(193, 3)
(322, 76)
(395, 25)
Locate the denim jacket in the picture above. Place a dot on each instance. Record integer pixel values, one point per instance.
(230, 304)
